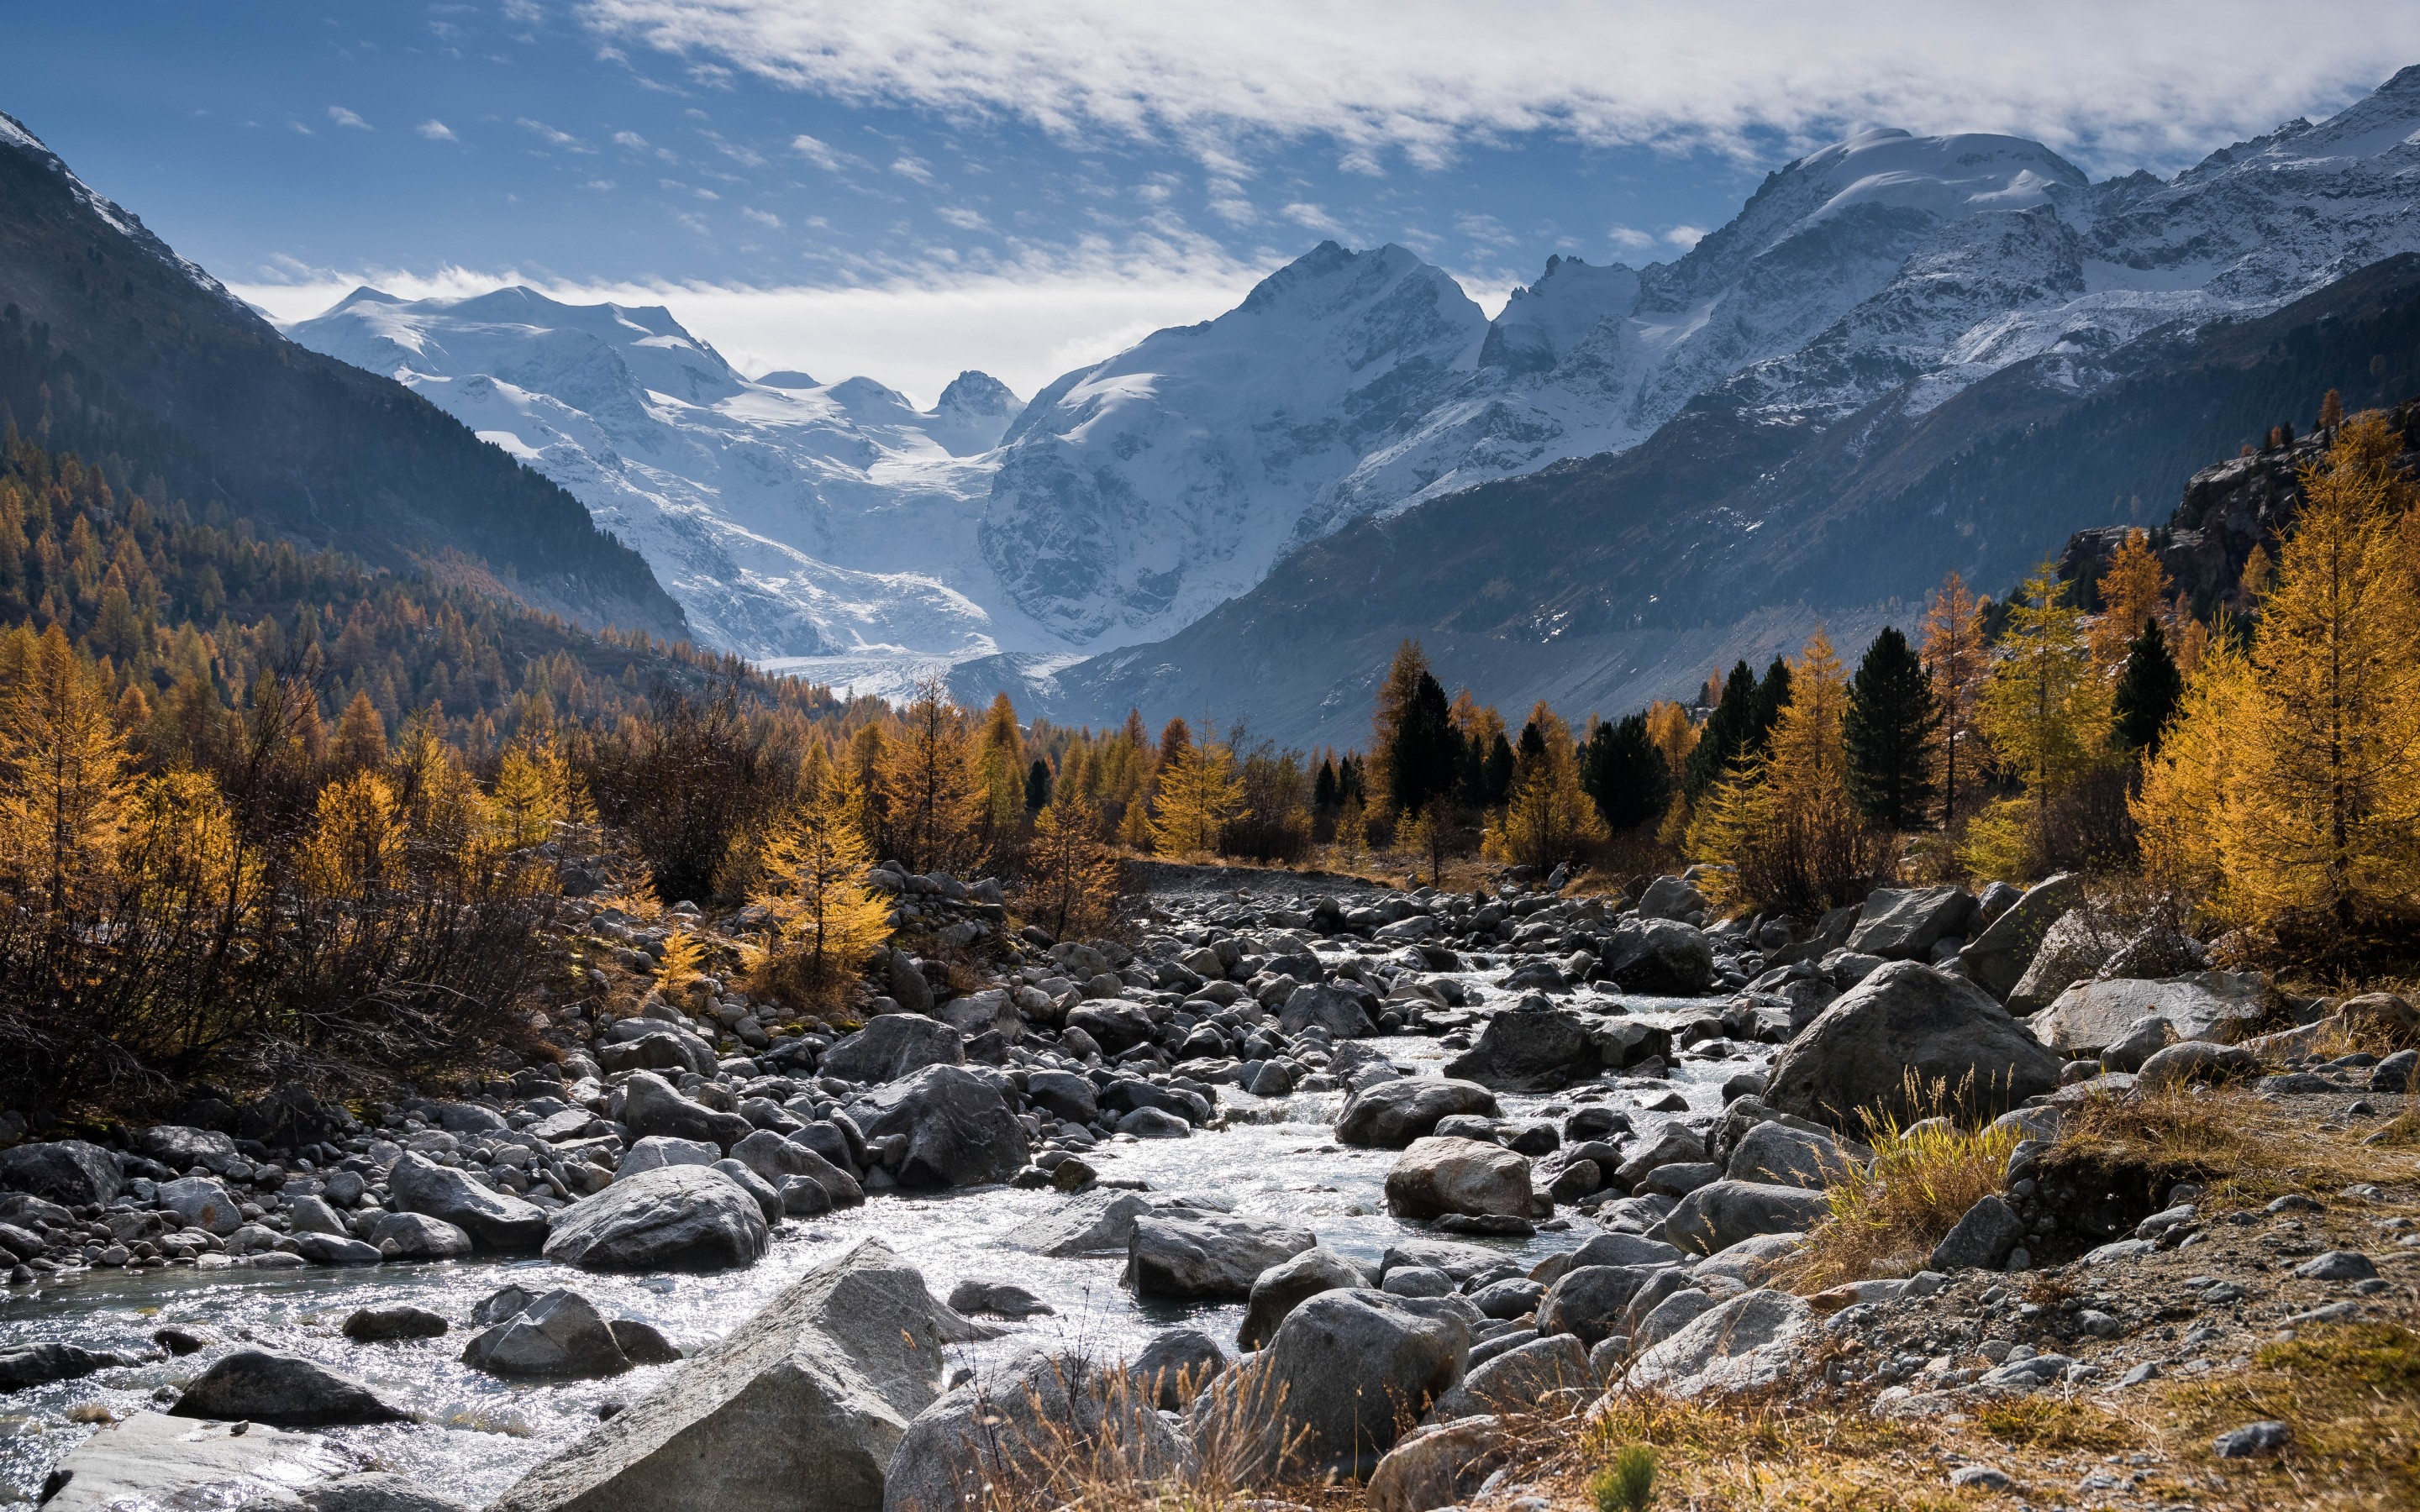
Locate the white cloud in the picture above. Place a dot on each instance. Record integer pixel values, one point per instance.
(342, 116)
(1685, 237)
(763, 218)
(911, 167)
(2154, 82)
(1313, 218)
(915, 332)
(814, 151)
(436, 130)
(961, 217)
(552, 137)
(1631, 239)
(631, 140)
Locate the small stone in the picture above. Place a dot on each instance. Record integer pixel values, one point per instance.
(1980, 1478)
(385, 1325)
(2337, 1265)
(2252, 1441)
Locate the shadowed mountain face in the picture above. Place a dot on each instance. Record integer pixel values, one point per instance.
(302, 444)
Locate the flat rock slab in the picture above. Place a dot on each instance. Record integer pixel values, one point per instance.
(1096, 1223)
(154, 1461)
(2093, 1015)
(1207, 1255)
(673, 1217)
(254, 1386)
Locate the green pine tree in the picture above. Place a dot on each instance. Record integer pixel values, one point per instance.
(1625, 773)
(2148, 692)
(1889, 728)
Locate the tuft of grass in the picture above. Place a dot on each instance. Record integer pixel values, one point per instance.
(2240, 1146)
(2052, 1423)
(1886, 1218)
(1628, 1484)
(2351, 1392)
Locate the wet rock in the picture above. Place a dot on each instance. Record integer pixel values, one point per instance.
(1443, 1464)
(640, 1343)
(387, 1325)
(1659, 958)
(673, 1218)
(959, 1128)
(64, 1170)
(1202, 1255)
(1905, 923)
(1775, 1153)
(560, 1337)
(1982, 1239)
(1907, 1018)
(335, 1249)
(376, 1491)
(1287, 1285)
(999, 1299)
(1435, 1176)
(892, 1046)
(1716, 1216)
(417, 1236)
(1673, 1143)
(155, 1460)
(1514, 1381)
(781, 1159)
(799, 1410)
(1063, 1095)
(1177, 1365)
(652, 1105)
(1391, 1114)
(39, 1365)
(1003, 1431)
(1095, 1223)
(1750, 1341)
(256, 1385)
(1344, 1369)
(203, 1202)
(1316, 1005)
(1996, 958)
(1530, 1049)
(494, 1220)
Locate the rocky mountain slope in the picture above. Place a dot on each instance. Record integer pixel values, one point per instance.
(310, 448)
(791, 519)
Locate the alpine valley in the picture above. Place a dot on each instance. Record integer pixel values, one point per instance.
(1627, 475)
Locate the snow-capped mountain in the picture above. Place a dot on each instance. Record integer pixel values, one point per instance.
(791, 519)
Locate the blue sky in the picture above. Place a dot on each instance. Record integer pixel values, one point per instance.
(907, 189)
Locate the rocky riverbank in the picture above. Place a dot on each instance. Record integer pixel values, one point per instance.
(1600, 1172)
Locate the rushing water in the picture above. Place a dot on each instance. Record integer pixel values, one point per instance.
(475, 1434)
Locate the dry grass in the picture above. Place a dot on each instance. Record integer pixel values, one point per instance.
(2242, 1148)
(2055, 1424)
(1754, 1454)
(1886, 1218)
(2352, 1395)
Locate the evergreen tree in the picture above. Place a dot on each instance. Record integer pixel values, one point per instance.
(1547, 816)
(1424, 759)
(1037, 786)
(1199, 792)
(2146, 693)
(1624, 771)
(1772, 697)
(999, 768)
(1500, 771)
(1727, 733)
(1888, 730)
(2046, 714)
(2134, 592)
(1784, 831)
(1324, 796)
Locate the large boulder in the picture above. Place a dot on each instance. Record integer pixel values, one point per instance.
(1391, 1114)
(1908, 1022)
(1328, 1395)
(416, 1236)
(1514, 1381)
(672, 1218)
(1437, 1176)
(494, 1220)
(1093, 1223)
(658, 1150)
(560, 1336)
(1530, 1049)
(37, 1365)
(959, 1129)
(155, 1460)
(1587, 1302)
(203, 1202)
(2074, 949)
(1997, 958)
(256, 1386)
(181, 1147)
(1289, 1284)
(1721, 1213)
(1750, 1341)
(68, 1171)
(1905, 923)
(652, 1105)
(658, 1047)
(375, 1490)
(892, 1046)
(2092, 1016)
(1063, 1095)
(1114, 1024)
(1774, 1152)
(1004, 1436)
(1658, 958)
(1672, 898)
(1190, 1255)
(799, 1410)
(1175, 1366)
(779, 1160)
(1441, 1464)
(1317, 1005)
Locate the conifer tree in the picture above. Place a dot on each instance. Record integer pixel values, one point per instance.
(2045, 712)
(1956, 657)
(1037, 787)
(1669, 727)
(1547, 816)
(1199, 792)
(1723, 740)
(1000, 769)
(1322, 787)
(1498, 769)
(936, 803)
(825, 922)
(360, 737)
(1888, 730)
(63, 774)
(2134, 592)
(1785, 829)
(2146, 693)
(1071, 878)
(1772, 697)
(1424, 757)
(1624, 771)
(1428, 835)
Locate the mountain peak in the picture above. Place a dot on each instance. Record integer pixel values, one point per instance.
(787, 378)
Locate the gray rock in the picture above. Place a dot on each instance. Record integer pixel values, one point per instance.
(1670, 898)
(1206, 1255)
(1907, 1018)
(1434, 1176)
(1997, 959)
(376, 1491)
(661, 1047)
(308, 1215)
(1674, 1312)
(387, 1325)
(1626, 1249)
(656, 1151)
(1658, 958)
(335, 1249)
(1674, 1144)
(2196, 1061)
(2398, 1073)
(1530, 1049)
(155, 1460)
(37, 1365)
(1095, 1223)
(1316, 1005)
(777, 1160)
(1063, 1095)
(2253, 1440)
(2072, 950)
(203, 1202)
(1345, 1369)
(769, 1201)
(652, 1105)
(1774, 1152)
(959, 1129)
(1715, 1217)
(1285, 1286)
(1440, 1465)
(1001, 1298)
(2090, 1016)
(494, 1220)
(1588, 1300)
(1416, 1281)
(2147, 1038)
(799, 1410)
(2337, 1265)
(181, 1147)
(1460, 1262)
(1905, 923)
(892, 1046)
(1515, 1297)
(1177, 1365)
(1514, 1381)
(560, 1336)
(1983, 1238)
(70, 1171)
(1389, 1115)
(908, 988)
(1750, 1341)
(642, 1344)
(256, 1385)
(673, 1218)
(1003, 1431)
(418, 1237)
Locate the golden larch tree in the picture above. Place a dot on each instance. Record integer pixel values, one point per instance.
(935, 800)
(1200, 791)
(1071, 877)
(63, 773)
(2045, 712)
(1786, 831)
(1547, 816)
(1955, 657)
(825, 922)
